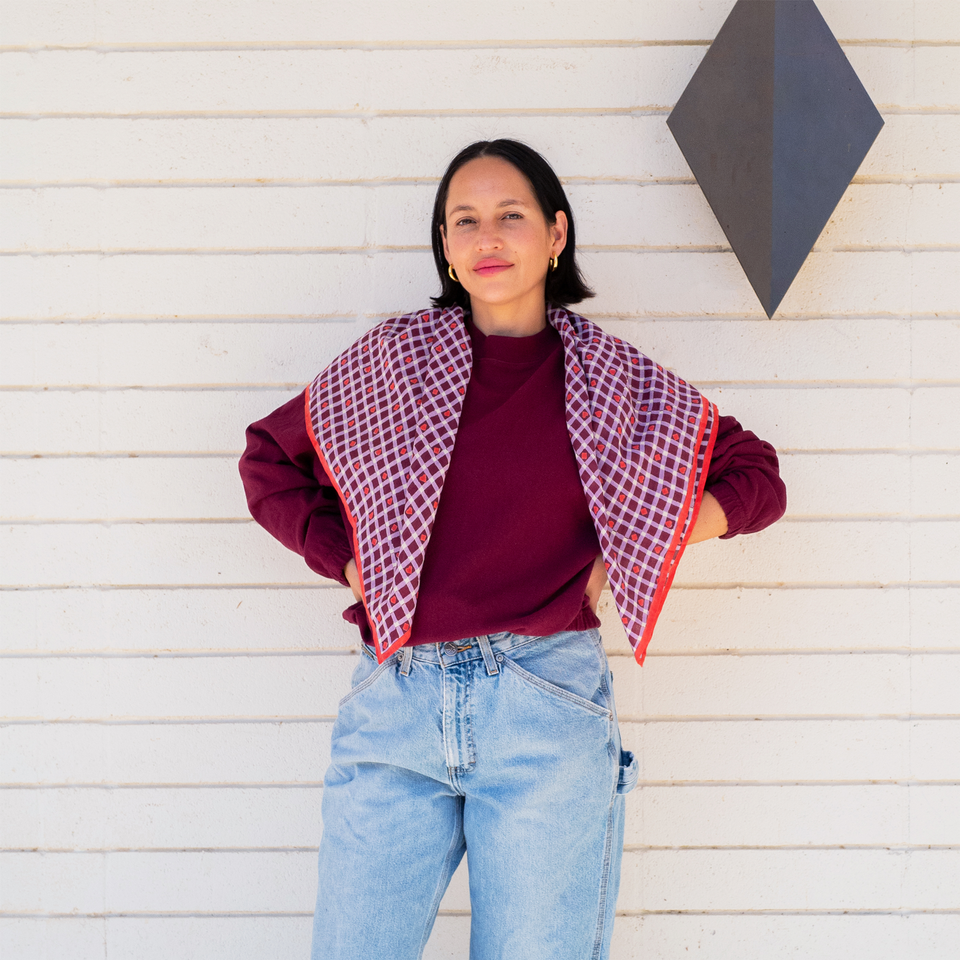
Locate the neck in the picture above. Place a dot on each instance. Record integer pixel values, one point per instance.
(494, 320)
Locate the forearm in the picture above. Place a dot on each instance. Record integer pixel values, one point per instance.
(744, 479)
(352, 575)
(711, 520)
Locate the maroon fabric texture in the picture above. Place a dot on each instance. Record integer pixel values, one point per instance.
(384, 418)
(497, 559)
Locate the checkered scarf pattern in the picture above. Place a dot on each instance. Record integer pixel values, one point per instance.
(383, 417)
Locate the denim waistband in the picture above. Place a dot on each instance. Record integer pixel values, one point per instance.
(471, 648)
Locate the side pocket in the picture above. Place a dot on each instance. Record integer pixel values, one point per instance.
(629, 772)
(555, 691)
(367, 672)
(569, 666)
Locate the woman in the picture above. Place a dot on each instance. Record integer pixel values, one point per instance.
(481, 715)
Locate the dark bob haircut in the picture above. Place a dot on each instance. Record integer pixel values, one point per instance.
(565, 284)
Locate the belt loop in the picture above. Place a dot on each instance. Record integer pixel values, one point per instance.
(489, 661)
(406, 656)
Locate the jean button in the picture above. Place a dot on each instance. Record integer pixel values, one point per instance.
(450, 648)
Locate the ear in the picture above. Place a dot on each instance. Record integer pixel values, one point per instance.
(443, 237)
(558, 233)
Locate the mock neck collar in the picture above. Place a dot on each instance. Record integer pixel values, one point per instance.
(537, 346)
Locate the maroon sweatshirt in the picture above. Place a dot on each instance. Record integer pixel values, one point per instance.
(513, 544)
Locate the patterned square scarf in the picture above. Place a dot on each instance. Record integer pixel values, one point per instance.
(383, 418)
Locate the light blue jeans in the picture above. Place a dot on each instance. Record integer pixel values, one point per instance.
(505, 747)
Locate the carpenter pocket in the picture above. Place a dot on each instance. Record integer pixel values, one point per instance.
(629, 772)
(570, 666)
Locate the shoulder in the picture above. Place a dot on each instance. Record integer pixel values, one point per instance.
(593, 342)
(605, 355)
(416, 328)
(386, 333)
(404, 323)
(409, 336)
(387, 330)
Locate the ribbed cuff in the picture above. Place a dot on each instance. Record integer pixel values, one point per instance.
(330, 562)
(732, 507)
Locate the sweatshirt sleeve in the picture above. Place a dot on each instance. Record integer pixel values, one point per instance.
(290, 495)
(744, 476)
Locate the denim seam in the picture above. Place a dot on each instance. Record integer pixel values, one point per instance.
(558, 692)
(448, 746)
(470, 747)
(441, 886)
(607, 856)
(360, 687)
(597, 953)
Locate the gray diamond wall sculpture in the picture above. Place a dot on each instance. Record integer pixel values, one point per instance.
(774, 124)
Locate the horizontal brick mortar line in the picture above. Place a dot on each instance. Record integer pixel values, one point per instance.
(55, 388)
(628, 848)
(742, 652)
(235, 454)
(119, 785)
(207, 849)
(264, 915)
(903, 782)
(216, 654)
(901, 517)
(180, 655)
(374, 250)
(336, 319)
(774, 912)
(129, 455)
(907, 452)
(188, 46)
(240, 387)
(308, 585)
(40, 321)
(122, 521)
(201, 46)
(322, 584)
(318, 784)
(158, 915)
(217, 721)
(104, 587)
(792, 847)
(371, 251)
(333, 319)
(881, 452)
(126, 521)
(574, 180)
(638, 110)
(199, 721)
(654, 110)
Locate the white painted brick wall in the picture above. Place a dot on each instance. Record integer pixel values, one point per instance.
(203, 202)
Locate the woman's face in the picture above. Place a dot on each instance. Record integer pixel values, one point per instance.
(499, 241)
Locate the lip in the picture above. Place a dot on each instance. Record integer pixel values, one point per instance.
(490, 266)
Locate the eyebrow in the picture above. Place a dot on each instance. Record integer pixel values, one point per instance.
(502, 203)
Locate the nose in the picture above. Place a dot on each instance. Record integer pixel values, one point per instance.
(488, 236)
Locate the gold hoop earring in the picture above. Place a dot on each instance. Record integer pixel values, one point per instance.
(451, 274)
(555, 262)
